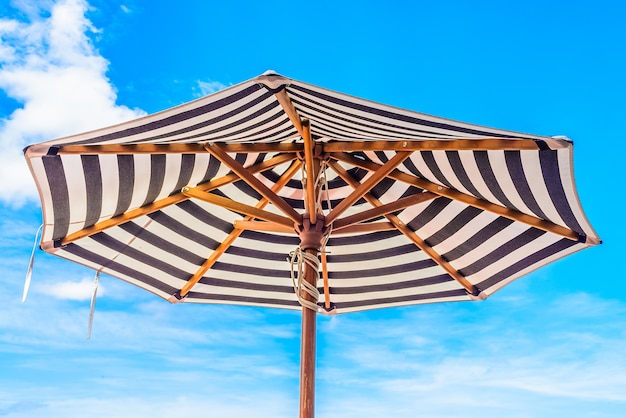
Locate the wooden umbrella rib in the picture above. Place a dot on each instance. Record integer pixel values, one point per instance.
(409, 233)
(237, 206)
(290, 110)
(235, 233)
(251, 225)
(350, 229)
(366, 186)
(464, 198)
(310, 171)
(195, 148)
(485, 144)
(382, 210)
(255, 183)
(174, 148)
(259, 147)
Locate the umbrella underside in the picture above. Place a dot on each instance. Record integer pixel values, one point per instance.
(204, 201)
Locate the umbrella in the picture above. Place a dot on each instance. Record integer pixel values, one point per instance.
(282, 194)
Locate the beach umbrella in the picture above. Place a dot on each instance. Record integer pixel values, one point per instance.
(282, 194)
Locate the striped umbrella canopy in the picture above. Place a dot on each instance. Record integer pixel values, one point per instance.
(278, 193)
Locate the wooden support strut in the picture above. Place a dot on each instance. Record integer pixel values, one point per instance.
(411, 235)
(235, 233)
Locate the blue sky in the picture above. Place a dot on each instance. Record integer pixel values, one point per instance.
(550, 344)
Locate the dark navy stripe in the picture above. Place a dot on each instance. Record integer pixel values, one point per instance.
(163, 244)
(382, 187)
(400, 299)
(246, 189)
(157, 177)
(126, 176)
(459, 171)
(364, 238)
(552, 178)
(194, 234)
(382, 156)
(527, 261)
(256, 254)
(211, 170)
(55, 174)
(429, 159)
(373, 255)
(486, 171)
(187, 163)
(433, 209)
(93, 185)
(205, 217)
(518, 175)
(119, 268)
(383, 271)
(458, 222)
(477, 239)
(410, 165)
(427, 281)
(387, 114)
(502, 251)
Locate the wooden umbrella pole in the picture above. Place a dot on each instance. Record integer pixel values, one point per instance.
(308, 349)
(311, 238)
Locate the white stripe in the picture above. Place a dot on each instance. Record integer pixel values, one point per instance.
(172, 172)
(110, 185)
(77, 191)
(142, 180)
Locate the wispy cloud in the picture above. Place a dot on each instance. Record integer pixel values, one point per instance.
(208, 87)
(51, 68)
(71, 290)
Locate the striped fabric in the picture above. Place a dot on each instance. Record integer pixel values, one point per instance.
(114, 204)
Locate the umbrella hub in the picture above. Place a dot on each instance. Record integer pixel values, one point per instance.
(312, 234)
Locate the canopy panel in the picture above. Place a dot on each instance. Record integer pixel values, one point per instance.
(465, 202)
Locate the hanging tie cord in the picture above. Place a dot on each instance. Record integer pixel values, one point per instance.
(300, 258)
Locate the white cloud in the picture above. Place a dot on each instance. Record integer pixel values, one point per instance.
(50, 66)
(73, 290)
(208, 87)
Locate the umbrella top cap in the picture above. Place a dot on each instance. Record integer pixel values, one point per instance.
(272, 80)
